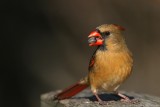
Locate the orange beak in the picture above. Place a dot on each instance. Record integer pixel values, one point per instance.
(95, 38)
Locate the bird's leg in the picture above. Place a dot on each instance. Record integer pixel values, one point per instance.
(95, 93)
(101, 102)
(124, 98)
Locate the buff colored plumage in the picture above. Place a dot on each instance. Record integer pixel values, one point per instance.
(110, 65)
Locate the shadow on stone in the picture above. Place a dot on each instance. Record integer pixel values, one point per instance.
(106, 97)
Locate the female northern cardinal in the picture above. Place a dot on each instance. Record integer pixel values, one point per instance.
(110, 65)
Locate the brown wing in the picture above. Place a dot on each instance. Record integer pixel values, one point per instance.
(91, 63)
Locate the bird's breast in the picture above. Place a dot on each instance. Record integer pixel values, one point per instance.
(110, 69)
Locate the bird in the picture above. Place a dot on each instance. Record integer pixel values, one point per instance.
(110, 65)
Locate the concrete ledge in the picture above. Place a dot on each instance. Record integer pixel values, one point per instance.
(87, 99)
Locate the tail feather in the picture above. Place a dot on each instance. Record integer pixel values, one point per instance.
(71, 91)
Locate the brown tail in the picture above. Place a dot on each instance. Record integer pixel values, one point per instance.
(71, 91)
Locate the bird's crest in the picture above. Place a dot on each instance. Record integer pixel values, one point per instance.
(119, 27)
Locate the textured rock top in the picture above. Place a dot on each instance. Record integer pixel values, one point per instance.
(87, 99)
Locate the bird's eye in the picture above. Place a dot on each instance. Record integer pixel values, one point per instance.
(107, 33)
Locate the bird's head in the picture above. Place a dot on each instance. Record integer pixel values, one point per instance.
(106, 34)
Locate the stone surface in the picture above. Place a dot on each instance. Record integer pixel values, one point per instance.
(87, 99)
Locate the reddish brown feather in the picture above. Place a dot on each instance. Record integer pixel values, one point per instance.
(71, 91)
(119, 27)
(91, 62)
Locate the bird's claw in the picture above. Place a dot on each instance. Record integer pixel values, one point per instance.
(133, 101)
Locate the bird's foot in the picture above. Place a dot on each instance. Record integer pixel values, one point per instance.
(126, 99)
(132, 101)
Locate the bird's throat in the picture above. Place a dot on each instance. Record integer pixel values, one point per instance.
(102, 47)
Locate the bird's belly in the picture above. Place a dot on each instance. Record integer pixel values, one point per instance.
(109, 80)
(110, 70)
(111, 84)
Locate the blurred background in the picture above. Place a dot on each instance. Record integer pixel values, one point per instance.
(44, 44)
